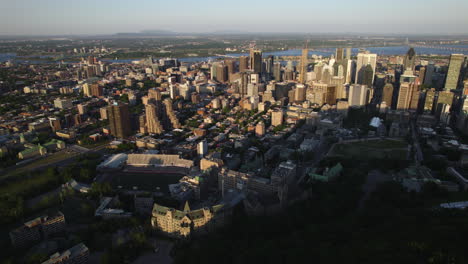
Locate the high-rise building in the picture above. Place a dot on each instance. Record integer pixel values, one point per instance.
(357, 95)
(277, 118)
(330, 96)
(409, 60)
(256, 60)
(387, 95)
(364, 59)
(119, 120)
(260, 129)
(152, 119)
(96, 90)
(244, 82)
(202, 148)
(222, 73)
(348, 53)
(339, 54)
(454, 77)
(154, 94)
(277, 71)
(405, 95)
(303, 66)
(368, 76)
(230, 66)
(300, 93)
(269, 65)
(429, 74)
(243, 63)
(429, 100)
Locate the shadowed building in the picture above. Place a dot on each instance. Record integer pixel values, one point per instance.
(119, 120)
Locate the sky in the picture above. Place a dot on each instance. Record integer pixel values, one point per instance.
(90, 17)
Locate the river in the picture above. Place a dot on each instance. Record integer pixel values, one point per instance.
(393, 50)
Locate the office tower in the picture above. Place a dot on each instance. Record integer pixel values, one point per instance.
(422, 74)
(277, 118)
(256, 60)
(213, 71)
(152, 120)
(339, 54)
(405, 95)
(364, 59)
(348, 53)
(221, 73)
(288, 75)
(96, 90)
(300, 93)
(350, 71)
(357, 95)
(202, 148)
(454, 78)
(330, 95)
(387, 94)
(327, 73)
(243, 63)
(244, 82)
(409, 60)
(303, 65)
(277, 71)
(269, 64)
(368, 76)
(338, 82)
(429, 100)
(429, 74)
(119, 120)
(230, 66)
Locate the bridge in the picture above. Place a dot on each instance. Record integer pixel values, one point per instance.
(441, 47)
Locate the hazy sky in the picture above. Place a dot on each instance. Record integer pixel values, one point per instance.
(41, 17)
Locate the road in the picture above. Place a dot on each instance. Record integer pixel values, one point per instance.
(71, 152)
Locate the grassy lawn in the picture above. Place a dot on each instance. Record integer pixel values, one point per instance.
(375, 149)
(54, 158)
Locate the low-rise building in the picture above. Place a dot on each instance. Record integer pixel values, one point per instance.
(78, 254)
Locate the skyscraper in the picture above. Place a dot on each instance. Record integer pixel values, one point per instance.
(454, 72)
(152, 120)
(303, 66)
(387, 95)
(429, 74)
(119, 120)
(348, 53)
(243, 63)
(221, 73)
(230, 66)
(357, 95)
(364, 59)
(339, 54)
(405, 95)
(409, 60)
(277, 71)
(256, 60)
